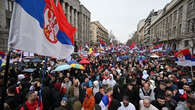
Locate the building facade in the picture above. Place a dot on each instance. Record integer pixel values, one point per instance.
(77, 14)
(151, 17)
(97, 31)
(140, 31)
(175, 25)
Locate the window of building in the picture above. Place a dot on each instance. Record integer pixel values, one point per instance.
(190, 5)
(186, 43)
(193, 4)
(180, 14)
(179, 29)
(174, 31)
(170, 20)
(193, 25)
(188, 26)
(174, 17)
(9, 5)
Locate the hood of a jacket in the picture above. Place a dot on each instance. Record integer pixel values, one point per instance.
(89, 91)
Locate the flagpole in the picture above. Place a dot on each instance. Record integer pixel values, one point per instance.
(42, 80)
(56, 3)
(5, 79)
(192, 71)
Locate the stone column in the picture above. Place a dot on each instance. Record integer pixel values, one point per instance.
(2, 14)
(76, 24)
(63, 6)
(86, 29)
(84, 25)
(72, 14)
(68, 13)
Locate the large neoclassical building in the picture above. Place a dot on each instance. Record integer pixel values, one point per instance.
(77, 14)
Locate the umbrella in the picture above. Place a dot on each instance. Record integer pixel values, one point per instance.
(84, 61)
(141, 58)
(77, 66)
(154, 56)
(29, 70)
(36, 60)
(72, 62)
(124, 57)
(62, 67)
(26, 60)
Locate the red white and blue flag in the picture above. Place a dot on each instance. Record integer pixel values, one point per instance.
(183, 57)
(39, 26)
(2, 55)
(192, 60)
(102, 44)
(157, 48)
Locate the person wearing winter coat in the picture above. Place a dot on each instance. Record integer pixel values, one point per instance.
(114, 105)
(63, 104)
(110, 82)
(133, 93)
(106, 99)
(146, 91)
(32, 102)
(126, 105)
(99, 95)
(77, 104)
(74, 90)
(146, 104)
(95, 87)
(117, 92)
(89, 100)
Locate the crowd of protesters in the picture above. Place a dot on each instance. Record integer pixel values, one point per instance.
(109, 82)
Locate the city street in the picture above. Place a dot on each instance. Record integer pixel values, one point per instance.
(97, 55)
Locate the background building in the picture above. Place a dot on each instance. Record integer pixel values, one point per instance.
(97, 32)
(140, 31)
(77, 14)
(174, 26)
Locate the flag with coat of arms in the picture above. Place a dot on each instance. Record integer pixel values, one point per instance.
(39, 26)
(183, 57)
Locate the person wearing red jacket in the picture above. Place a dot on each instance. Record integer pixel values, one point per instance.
(89, 101)
(32, 102)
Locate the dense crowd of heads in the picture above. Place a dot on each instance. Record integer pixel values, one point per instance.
(109, 82)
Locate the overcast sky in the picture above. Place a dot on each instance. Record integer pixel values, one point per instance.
(121, 16)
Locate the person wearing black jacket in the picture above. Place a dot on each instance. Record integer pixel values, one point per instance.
(117, 93)
(99, 95)
(114, 105)
(133, 93)
(11, 101)
(160, 102)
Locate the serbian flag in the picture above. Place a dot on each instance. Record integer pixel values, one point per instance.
(102, 44)
(192, 60)
(2, 55)
(39, 26)
(105, 103)
(183, 57)
(157, 48)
